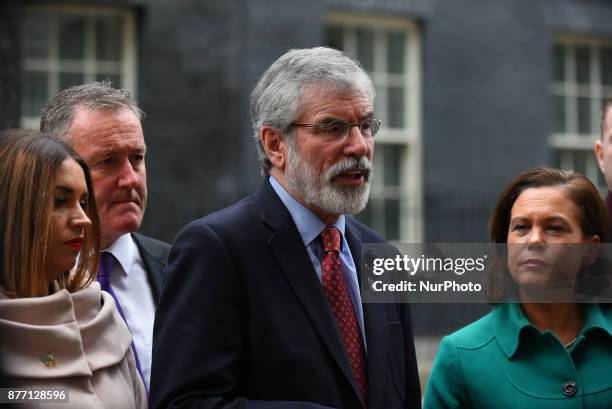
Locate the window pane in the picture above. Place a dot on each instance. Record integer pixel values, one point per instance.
(579, 106)
(114, 79)
(556, 159)
(379, 160)
(365, 49)
(393, 102)
(591, 168)
(579, 161)
(36, 32)
(72, 37)
(605, 56)
(583, 66)
(565, 159)
(392, 219)
(108, 38)
(334, 38)
(601, 181)
(391, 164)
(379, 112)
(34, 92)
(559, 114)
(584, 115)
(395, 52)
(366, 215)
(559, 63)
(395, 106)
(68, 79)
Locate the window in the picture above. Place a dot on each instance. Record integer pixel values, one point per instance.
(581, 80)
(388, 49)
(64, 46)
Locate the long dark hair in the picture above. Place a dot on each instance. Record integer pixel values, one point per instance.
(29, 163)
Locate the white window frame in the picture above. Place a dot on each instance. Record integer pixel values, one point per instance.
(570, 142)
(411, 195)
(52, 64)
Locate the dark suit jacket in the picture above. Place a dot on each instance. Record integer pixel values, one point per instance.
(154, 255)
(243, 321)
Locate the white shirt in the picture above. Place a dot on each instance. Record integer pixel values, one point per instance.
(130, 284)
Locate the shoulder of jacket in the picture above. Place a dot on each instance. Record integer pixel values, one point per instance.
(149, 241)
(475, 335)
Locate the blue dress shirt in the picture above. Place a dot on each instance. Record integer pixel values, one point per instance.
(310, 227)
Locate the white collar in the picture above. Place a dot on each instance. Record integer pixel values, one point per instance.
(124, 250)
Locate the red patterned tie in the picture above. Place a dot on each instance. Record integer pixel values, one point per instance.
(342, 307)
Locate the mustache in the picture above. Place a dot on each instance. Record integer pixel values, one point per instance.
(127, 196)
(352, 164)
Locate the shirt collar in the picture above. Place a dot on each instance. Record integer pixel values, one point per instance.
(308, 224)
(123, 250)
(512, 327)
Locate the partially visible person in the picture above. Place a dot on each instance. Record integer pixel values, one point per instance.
(102, 124)
(58, 328)
(529, 353)
(603, 151)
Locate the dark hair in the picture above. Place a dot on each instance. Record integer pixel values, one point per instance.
(29, 162)
(579, 189)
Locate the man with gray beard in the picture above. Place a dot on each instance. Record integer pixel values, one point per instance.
(264, 296)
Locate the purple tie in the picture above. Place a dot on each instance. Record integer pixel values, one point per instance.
(107, 260)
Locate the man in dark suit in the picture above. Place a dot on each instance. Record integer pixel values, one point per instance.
(262, 306)
(603, 151)
(102, 124)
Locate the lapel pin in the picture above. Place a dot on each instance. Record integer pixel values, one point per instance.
(48, 360)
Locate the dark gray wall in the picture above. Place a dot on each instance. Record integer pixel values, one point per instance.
(190, 86)
(486, 108)
(10, 66)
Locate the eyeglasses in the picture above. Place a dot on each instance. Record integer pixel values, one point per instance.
(338, 129)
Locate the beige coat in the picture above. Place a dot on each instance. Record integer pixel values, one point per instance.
(71, 340)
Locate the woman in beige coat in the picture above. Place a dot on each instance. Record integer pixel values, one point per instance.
(58, 329)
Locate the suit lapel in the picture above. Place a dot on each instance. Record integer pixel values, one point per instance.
(288, 249)
(375, 328)
(154, 265)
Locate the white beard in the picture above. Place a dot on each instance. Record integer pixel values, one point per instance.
(318, 190)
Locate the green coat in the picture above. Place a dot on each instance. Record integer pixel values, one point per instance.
(502, 361)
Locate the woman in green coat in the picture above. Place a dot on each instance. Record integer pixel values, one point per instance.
(546, 351)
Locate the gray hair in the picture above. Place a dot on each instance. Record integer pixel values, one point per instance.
(56, 117)
(277, 97)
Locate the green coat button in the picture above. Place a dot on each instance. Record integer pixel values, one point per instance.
(569, 388)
